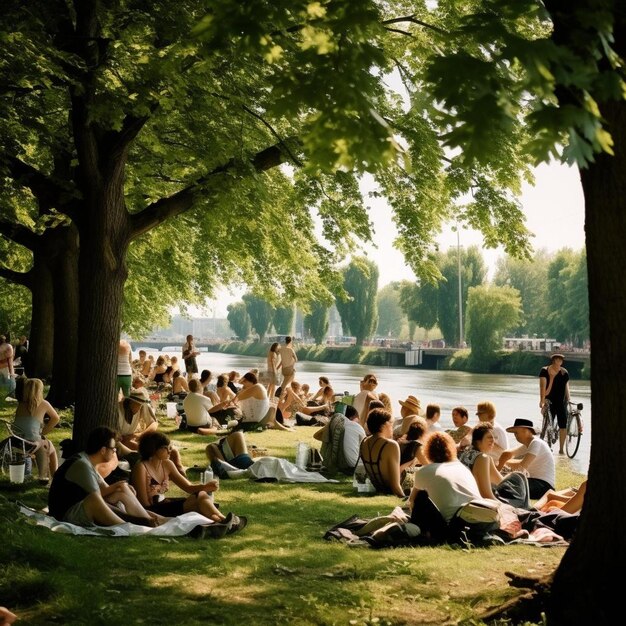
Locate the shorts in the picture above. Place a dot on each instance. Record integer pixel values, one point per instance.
(170, 507)
(288, 371)
(77, 515)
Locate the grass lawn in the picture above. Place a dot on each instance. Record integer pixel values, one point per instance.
(278, 570)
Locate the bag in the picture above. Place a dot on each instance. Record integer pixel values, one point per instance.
(480, 514)
(314, 463)
(183, 422)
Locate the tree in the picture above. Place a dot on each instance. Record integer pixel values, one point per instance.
(283, 319)
(124, 118)
(558, 271)
(391, 317)
(490, 312)
(239, 320)
(473, 273)
(316, 322)
(359, 311)
(530, 278)
(260, 313)
(560, 67)
(419, 301)
(576, 309)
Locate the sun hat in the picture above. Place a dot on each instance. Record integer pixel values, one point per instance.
(411, 403)
(556, 355)
(520, 422)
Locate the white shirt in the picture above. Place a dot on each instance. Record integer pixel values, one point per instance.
(353, 434)
(197, 409)
(542, 466)
(449, 486)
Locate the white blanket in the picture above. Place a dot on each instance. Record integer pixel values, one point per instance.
(176, 527)
(284, 471)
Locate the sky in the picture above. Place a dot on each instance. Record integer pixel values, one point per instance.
(554, 210)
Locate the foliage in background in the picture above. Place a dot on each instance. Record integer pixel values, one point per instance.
(283, 319)
(359, 312)
(490, 312)
(391, 317)
(260, 313)
(316, 322)
(239, 320)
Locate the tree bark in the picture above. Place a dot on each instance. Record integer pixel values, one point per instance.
(40, 351)
(63, 389)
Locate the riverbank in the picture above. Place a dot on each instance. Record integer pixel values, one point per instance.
(522, 363)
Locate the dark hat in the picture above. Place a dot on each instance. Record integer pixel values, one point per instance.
(520, 422)
(556, 355)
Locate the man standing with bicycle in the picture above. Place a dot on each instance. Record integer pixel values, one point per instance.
(554, 388)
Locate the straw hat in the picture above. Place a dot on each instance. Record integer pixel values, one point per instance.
(411, 403)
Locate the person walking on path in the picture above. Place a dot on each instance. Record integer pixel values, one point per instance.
(288, 360)
(554, 387)
(189, 356)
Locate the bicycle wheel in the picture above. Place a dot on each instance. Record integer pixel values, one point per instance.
(574, 433)
(546, 426)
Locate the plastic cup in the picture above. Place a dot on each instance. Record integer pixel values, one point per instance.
(16, 472)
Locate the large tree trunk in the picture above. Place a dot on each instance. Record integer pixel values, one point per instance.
(40, 350)
(585, 588)
(63, 389)
(104, 239)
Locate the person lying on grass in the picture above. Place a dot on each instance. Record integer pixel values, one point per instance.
(151, 478)
(80, 495)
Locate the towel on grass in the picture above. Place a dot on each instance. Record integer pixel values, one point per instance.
(176, 527)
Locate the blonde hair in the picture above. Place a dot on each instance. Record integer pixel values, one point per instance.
(386, 400)
(488, 407)
(33, 394)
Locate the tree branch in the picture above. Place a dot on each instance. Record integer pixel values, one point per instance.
(19, 278)
(414, 20)
(42, 186)
(18, 234)
(165, 208)
(275, 133)
(397, 30)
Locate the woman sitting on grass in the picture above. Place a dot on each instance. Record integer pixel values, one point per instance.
(380, 453)
(29, 424)
(512, 488)
(151, 478)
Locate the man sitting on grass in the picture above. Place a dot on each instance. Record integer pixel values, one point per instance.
(80, 495)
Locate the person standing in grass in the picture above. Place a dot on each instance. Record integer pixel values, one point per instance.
(288, 360)
(189, 356)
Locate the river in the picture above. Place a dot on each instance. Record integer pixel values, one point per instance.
(513, 396)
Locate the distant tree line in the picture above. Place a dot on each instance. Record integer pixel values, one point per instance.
(545, 295)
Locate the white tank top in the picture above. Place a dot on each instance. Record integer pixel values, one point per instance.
(123, 365)
(254, 409)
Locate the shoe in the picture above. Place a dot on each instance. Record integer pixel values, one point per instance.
(216, 530)
(237, 473)
(239, 523)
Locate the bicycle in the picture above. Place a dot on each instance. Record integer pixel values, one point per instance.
(549, 426)
(574, 428)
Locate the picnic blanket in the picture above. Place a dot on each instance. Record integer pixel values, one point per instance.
(282, 470)
(176, 527)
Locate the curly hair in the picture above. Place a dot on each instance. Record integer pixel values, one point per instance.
(440, 448)
(150, 442)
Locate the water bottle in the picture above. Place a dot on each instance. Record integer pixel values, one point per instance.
(208, 475)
